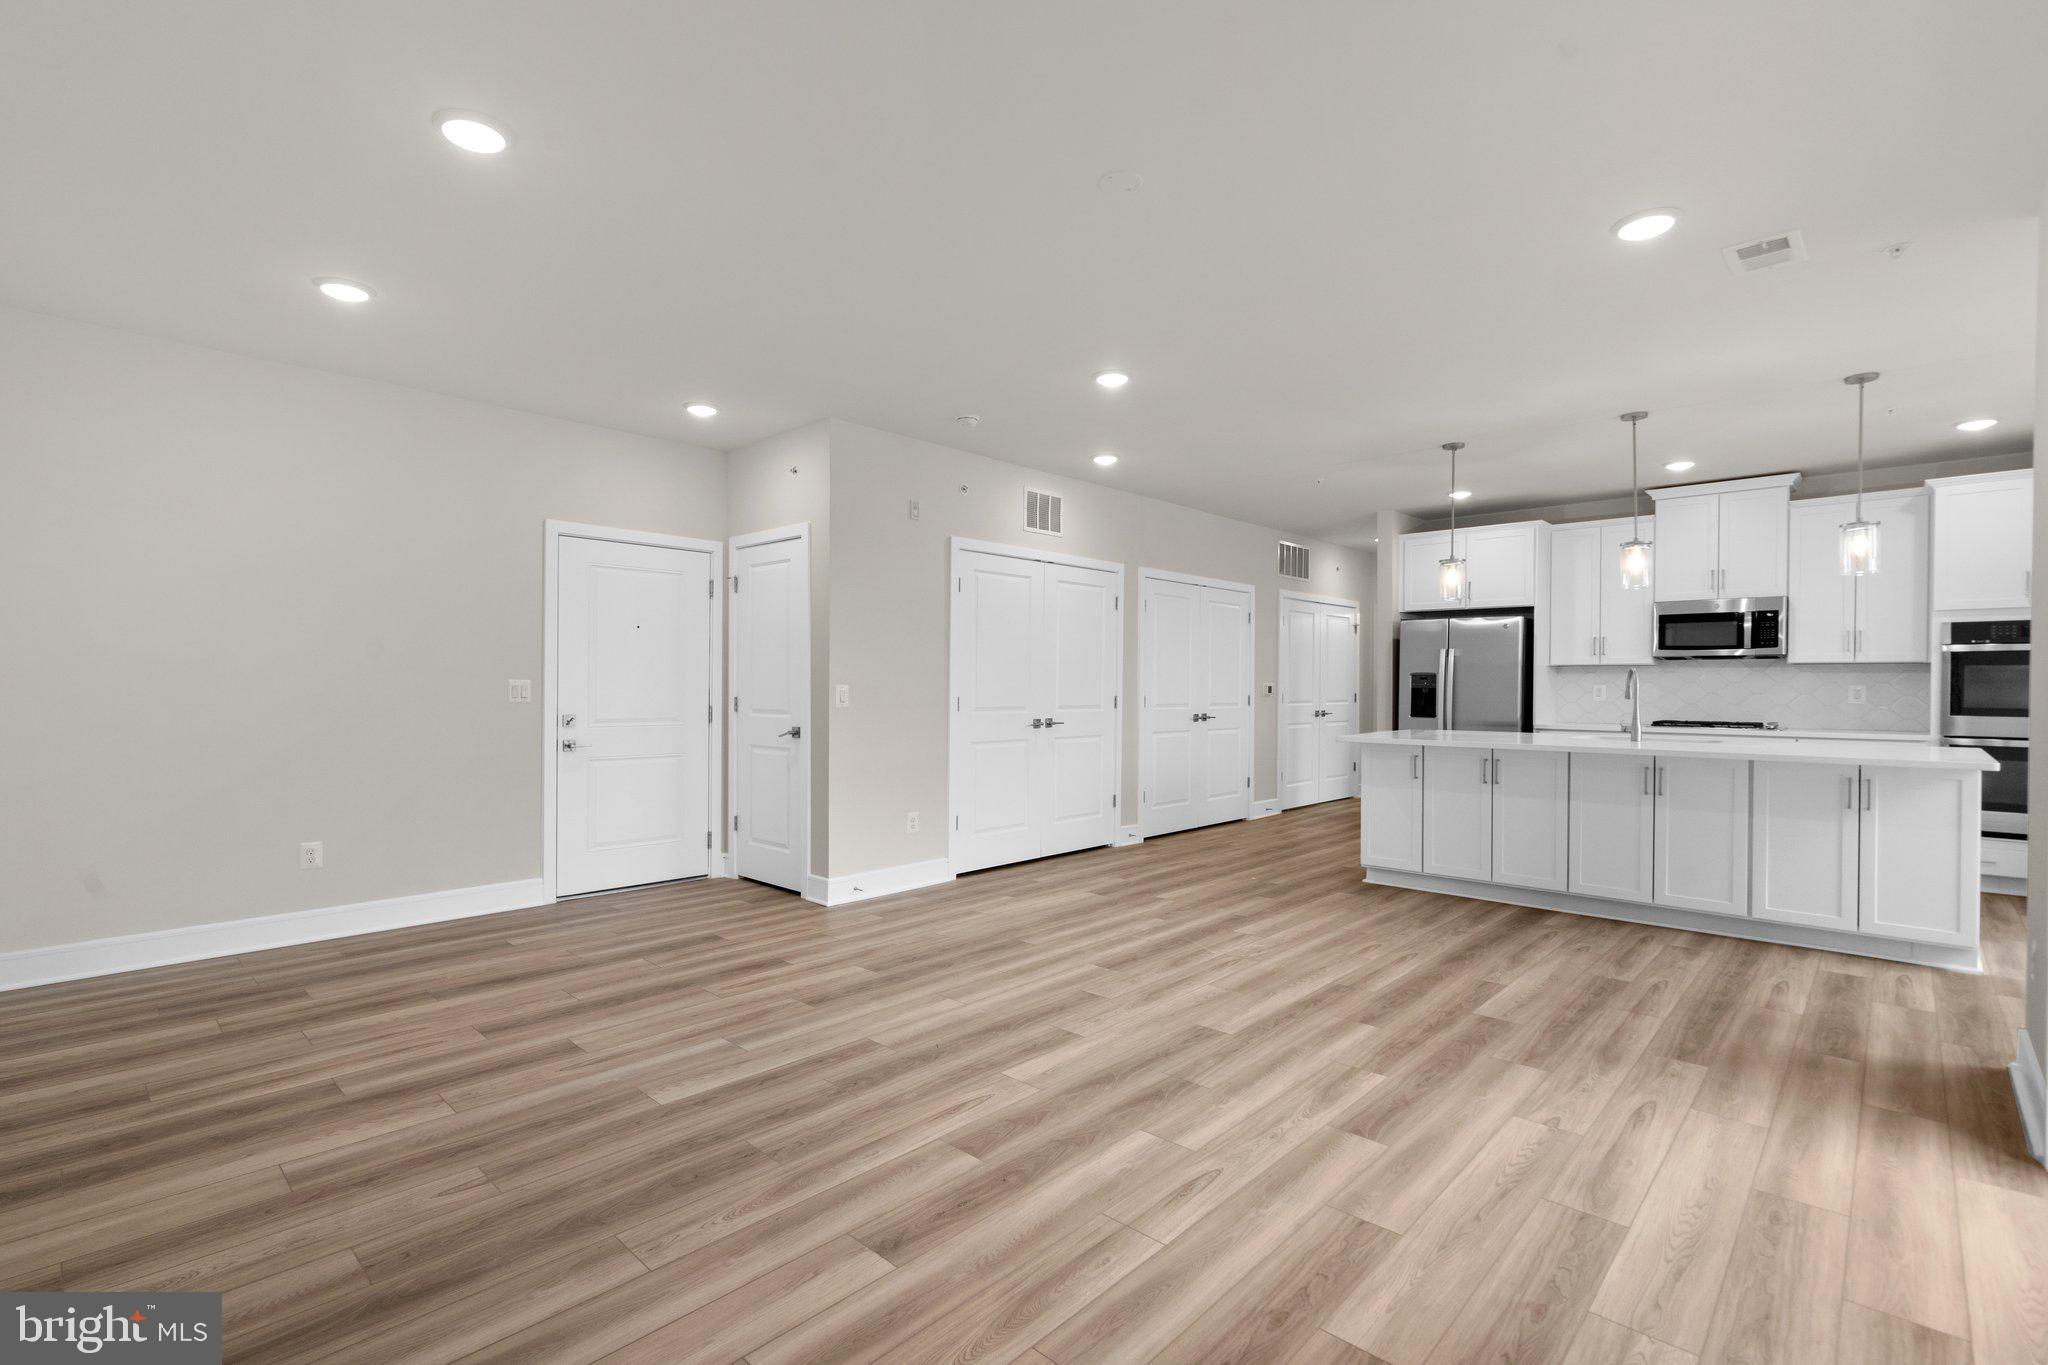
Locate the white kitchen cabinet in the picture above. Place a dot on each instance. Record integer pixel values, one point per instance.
(1390, 826)
(1457, 813)
(1702, 843)
(1918, 863)
(1531, 822)
(1723, 539)
(1804, 829)
(1613, 820)
(1983, 538)
(1879, 618)
(1593, 619)
(1503, 566)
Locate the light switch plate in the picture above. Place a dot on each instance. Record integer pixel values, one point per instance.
(1599, 691)
(842, 696)
(1858, 696)
(313, 853)
(519, 689)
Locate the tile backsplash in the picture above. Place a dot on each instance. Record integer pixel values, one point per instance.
(1797, 696)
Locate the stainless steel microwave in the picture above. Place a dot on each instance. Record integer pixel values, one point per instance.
(1722, 628)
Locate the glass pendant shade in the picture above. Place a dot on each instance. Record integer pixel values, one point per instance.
(1859, 548)
(1450, 577)
(1635, 564)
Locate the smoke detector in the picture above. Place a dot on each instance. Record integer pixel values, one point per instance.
(1765, 253)
(969, 419)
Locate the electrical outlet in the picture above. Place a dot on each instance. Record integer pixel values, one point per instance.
(842, 696)
(1858, 696)
(1599, 691)
(313, 854)
(914, 509)
(519, 689)
(911, 824)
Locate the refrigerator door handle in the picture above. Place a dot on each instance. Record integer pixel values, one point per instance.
(1450, 686)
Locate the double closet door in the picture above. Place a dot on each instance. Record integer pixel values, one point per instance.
(1195, 711)
(1037, 649)
(1318, 700)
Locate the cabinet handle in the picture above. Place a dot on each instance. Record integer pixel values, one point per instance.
(1848, 793)
(1845, 642)
(1415, 766)
(1859, 639)
(1482, 772)
(1596, 646)
(1869, 794)
(1646, 781)
(1660, 779)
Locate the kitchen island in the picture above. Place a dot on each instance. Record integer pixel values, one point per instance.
(1856, 846)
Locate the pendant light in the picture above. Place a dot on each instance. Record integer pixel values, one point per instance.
(1635, 555)
(1859, 537)
(1450, 571)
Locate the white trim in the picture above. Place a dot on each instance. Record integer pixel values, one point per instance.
(2029, 1092)
(1692, 490)
(1262, 809)
(883, 881)
(164, 947)
(1128, 836)
(800, 531)
(1361, 669)
(1251, 684)
(553, 531)
(957, 545)
(1700, 922)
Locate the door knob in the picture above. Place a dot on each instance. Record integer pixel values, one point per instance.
(793, 732)
(1037, 724)
(568, 746)
(1050, 722)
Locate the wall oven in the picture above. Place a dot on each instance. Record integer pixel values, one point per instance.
(1984, 679)
(1722, 628)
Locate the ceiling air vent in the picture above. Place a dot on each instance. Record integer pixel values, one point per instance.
(1041, 512)
(1765, 252)
(1293, 560)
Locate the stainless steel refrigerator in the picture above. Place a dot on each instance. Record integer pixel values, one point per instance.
(1464, 672)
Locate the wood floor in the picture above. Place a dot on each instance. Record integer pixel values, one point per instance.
(1206, 1099)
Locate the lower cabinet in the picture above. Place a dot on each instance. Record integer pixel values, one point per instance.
(1702, 857)
(1531, 824)
(1457, 813)
(1390, 824)
(1613, 823)
(1886, 851)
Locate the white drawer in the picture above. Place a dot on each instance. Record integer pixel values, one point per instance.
(2003, 857)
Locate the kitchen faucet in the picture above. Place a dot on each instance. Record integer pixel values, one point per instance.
(1632, 689)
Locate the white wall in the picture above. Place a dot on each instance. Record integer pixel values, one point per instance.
(2037, 704)
(890, 617)
(247, 604)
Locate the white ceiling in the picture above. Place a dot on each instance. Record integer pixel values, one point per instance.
(1365, 228)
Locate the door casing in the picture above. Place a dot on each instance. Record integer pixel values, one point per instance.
(799, 532)
(554, 532)
(1358, 675)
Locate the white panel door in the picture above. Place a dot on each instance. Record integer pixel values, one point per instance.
(1688, 549)
(1575, 595)
(1531, 818)
(1891, 604)
(1171, 623)
(1983, 544)
(771, 687)
(1628, 632)
(1300, 701)
(1420, 554)
(1223, 698)
(1074, 655)
(1753, 531)
(1803, 827)
(1390, 816)
(996, 679)
(1337, 699)
(1500, 565)
(1822, 600)
(633, 682)
(1919, 855)
(1457, 813)
(1702, 844)
(1612, 826)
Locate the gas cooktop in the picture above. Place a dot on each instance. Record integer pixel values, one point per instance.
(1715, 724)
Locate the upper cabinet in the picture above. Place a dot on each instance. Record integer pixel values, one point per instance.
(1880, 618)
(1593, 619)
(1722, 539)
(1503, 566)
(1983, 542)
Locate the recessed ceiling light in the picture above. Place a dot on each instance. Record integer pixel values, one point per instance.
(471, 133)
(344, 291)
(1461, 494)
(701, 410)
(1977, 424)
(1105, 460)
(1679, 466)
(1112, 379)
(1641, 227)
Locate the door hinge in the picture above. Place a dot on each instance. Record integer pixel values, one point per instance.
(1119, 601)
(1112, 800)
(959, 585)
(1247, 618)
(735, 583)
(1115, 702)
(707, 838)
(711, 587)
(735, 824)
(956, 822)
(735, 704)
(710, 713)
(1247, 782)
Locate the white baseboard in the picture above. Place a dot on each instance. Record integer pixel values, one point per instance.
(1262, 809)
(162, 948)
(2003, 886)
(883, 881)
(721, 864)
(1128, 835)
(2028, 1090)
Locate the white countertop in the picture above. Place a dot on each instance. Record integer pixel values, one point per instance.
(1886, 753)
(1889, 736)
